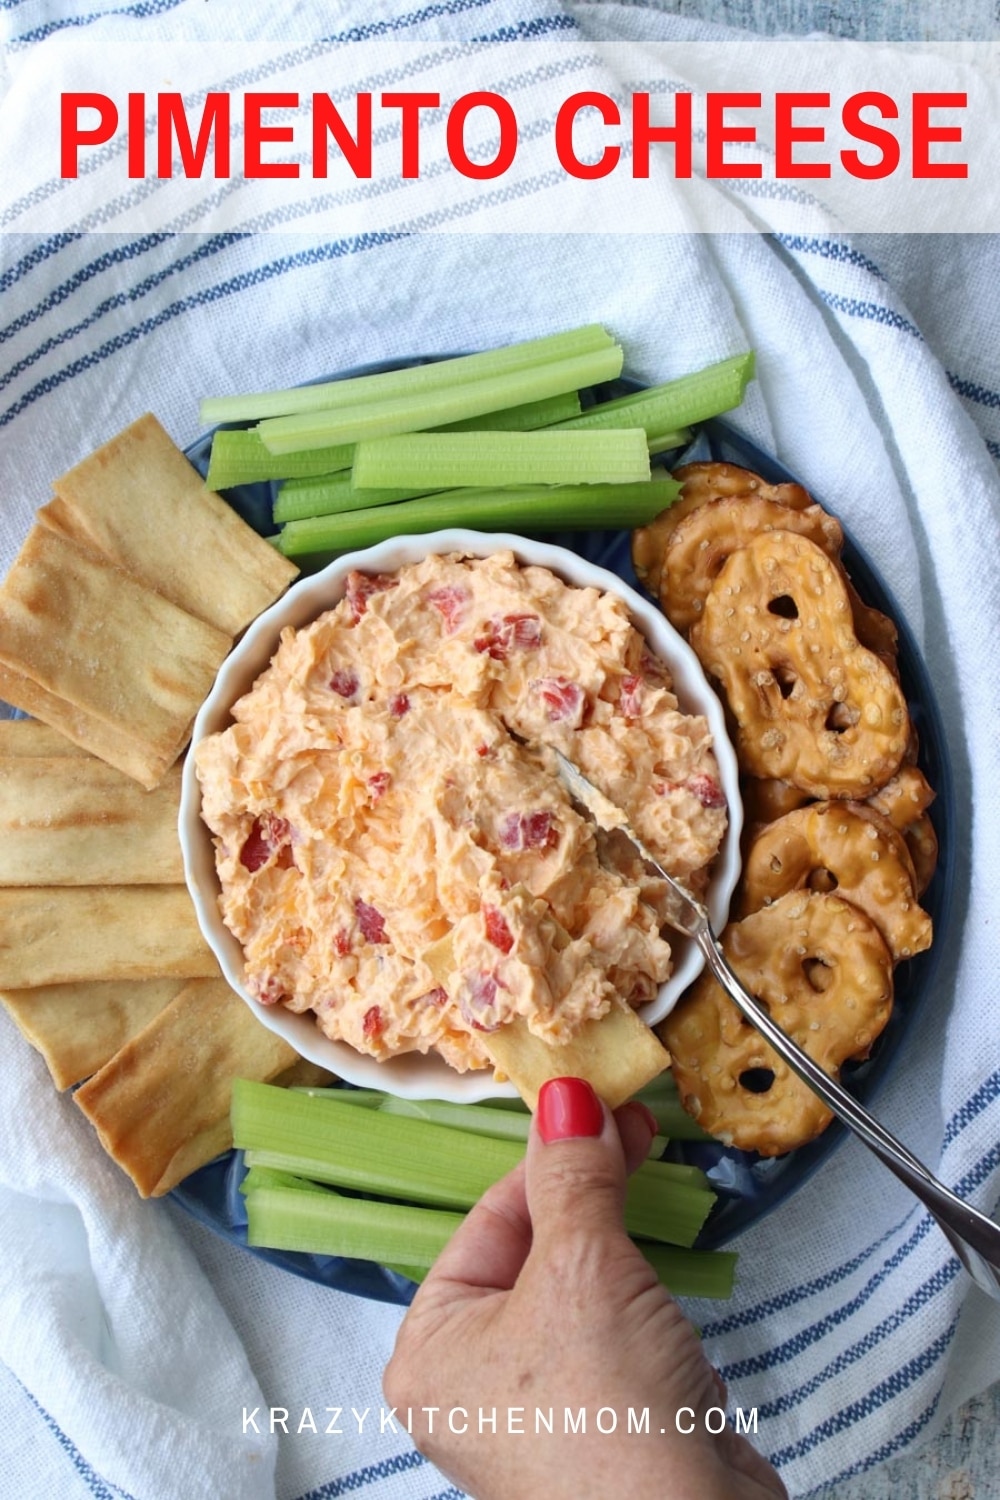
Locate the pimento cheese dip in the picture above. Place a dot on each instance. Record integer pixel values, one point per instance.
(371, 799)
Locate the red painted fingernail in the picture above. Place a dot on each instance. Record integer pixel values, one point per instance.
(567, 1109)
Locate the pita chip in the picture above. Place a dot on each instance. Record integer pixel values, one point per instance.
(86, 633)
(32, 737)
(72, 820)
(79, 1027)
(68, 934)
(138, 500)
(161, 1104)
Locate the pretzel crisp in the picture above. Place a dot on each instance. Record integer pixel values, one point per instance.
(812, 706)
(849, 848)
(702, 483)
(824, 972)
(700, 543)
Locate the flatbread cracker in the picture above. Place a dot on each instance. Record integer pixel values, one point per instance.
(88, 633)
(72, 820)
(32, 737)
(68, 934)
(217, 1138)
(89, 736)
(617, 1054)
(138, 500)
(79, 1027)
(161, 1105)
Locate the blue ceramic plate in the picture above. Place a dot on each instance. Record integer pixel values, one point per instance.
(748, 1186)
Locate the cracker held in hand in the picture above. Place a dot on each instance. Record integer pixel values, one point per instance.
(140, 502)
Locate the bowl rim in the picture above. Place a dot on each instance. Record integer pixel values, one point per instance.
(418, 1075)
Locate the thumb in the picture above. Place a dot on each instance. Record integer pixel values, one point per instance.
(576, 1164)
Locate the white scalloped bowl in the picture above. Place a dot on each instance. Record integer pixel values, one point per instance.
(414, 1075)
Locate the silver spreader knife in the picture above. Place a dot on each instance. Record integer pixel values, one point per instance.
(974, 1238)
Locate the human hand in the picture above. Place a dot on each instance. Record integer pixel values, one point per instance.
(542, 1303)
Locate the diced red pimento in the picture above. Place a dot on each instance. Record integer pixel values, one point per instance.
(630, 697)
(506, 633)
(342, 943)
(564, 700)
(528, 830)
(371, 921)
(451, 602)
(378, 785)
(267, 836)
(360, 588)
(497, 931)
(266, 989)
(478, 1001)
(373, 1022)
(399, 704)
(707, 790)
(345, 682)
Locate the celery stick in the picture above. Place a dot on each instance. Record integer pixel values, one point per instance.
(538, 509)
(425, 408)
(362, 1098)
(527, 417)
(657, 1207)
(331, 496)
(366, 1149)
(678, 403)
(408, 1239)
(414, 1273)
(421, 1162)
(673, 1120)
(501, 1124)
(692, 1273)
(665, 441)
(239, 457)
(258, 1177)
(414, 378)
(326, 1223)
(445, 460)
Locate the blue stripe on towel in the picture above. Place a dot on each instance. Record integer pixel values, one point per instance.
(987, 1093)
(142, 11)
(110, 304)
(35, 257)
(877, 1397)
(941, 1278)
(902, 1440)
(874, 311)
(805, 1289)
(314, 256)
(359, 1479)
(829, 250)
(103, 1489)
(973, 392)
(813, 1332)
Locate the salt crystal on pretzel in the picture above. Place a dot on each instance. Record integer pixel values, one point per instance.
(812, 706)
(825, 974)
